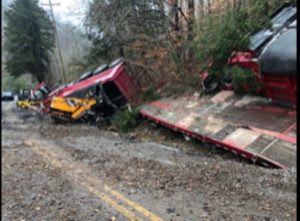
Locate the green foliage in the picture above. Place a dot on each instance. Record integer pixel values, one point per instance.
(29, 39)
(125, 121)
(243, 80)
(215, 40)
(15, 84)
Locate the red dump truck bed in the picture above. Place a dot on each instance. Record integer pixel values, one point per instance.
(250, 126)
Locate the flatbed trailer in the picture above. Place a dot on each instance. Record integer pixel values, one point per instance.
(250, 126)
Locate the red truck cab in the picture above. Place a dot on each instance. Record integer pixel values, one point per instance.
(116, 79)
(272, 56)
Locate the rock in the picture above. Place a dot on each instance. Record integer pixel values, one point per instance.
(171, 210)
(204, 215)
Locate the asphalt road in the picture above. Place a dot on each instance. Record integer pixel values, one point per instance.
(78, 172)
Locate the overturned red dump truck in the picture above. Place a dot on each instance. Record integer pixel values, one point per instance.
(115, 79)
(259, 128)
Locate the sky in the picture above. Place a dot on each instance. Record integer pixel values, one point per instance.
(67, 11)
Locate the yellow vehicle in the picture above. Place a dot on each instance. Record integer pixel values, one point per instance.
(24, 104)
(71, 109)
(95, 108)
(25, 99)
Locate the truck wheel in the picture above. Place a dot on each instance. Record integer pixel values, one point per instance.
(85, 119)
(99, 120)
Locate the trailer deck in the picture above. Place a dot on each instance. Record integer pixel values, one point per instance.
(250, 126)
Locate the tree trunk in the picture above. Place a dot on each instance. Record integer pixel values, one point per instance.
(161, 9)
(121, 52)
(176, 17)
(191, 11)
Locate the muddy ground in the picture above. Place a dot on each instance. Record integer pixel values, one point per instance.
(78, 172)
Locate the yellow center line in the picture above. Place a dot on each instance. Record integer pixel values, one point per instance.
(86, 181)
(110, 201)
(102, 196)
(134, 205)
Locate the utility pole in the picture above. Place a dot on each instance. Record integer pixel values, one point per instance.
(57, 41)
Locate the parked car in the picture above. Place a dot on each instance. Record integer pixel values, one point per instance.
(7, 96)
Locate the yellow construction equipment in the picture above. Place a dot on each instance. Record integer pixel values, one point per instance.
(71, 109)
(26, 99)
(95, 108)
(24, 104)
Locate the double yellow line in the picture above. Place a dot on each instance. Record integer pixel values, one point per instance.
(81, 175)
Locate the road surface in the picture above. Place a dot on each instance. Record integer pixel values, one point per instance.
(78, 172)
